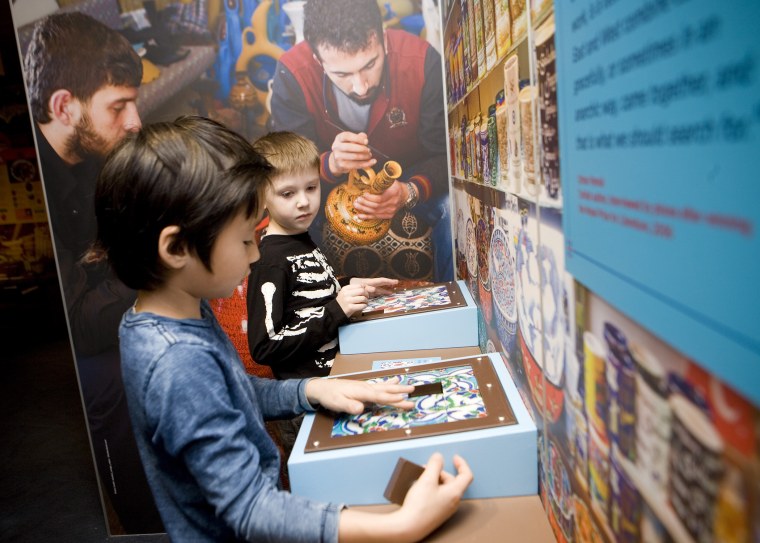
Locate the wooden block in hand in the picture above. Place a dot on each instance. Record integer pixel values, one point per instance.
(404, 475)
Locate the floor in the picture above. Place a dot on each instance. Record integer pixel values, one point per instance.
(49, 490)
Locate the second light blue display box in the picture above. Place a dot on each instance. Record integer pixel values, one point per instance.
(503, 458)
(408, 330)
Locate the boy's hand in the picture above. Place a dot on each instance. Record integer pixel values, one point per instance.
(376, 286)
(350, 396)
(353, 298)
(431, 500)
(435, 496)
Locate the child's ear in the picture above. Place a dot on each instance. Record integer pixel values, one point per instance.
(171, 250)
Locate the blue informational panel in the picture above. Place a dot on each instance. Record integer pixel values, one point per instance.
(659, 112)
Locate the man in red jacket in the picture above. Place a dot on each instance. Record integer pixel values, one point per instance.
(366, 95)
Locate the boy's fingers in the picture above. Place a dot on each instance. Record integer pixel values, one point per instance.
(395, 400)
(433, 468)
(392, 393)
(354, 407)
(393, 387)
(446, 477)
(406, 405)
(464, 473)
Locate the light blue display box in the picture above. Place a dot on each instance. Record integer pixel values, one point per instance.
(438, 329)
(504, 459)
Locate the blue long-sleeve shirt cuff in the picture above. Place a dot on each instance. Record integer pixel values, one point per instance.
(303, 401)
(332, 521)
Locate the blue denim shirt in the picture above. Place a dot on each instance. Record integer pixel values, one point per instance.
(199, 423)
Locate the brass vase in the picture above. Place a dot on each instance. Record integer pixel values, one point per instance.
(340, 210)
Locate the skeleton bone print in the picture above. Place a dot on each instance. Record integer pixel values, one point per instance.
(310, 269)
(293, 312)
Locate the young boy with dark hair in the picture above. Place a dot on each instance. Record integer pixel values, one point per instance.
(295, 302)
(177, 205)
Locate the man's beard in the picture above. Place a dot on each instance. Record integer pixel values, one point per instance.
(85, 142)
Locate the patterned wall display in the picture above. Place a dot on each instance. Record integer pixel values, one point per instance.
(638, 442)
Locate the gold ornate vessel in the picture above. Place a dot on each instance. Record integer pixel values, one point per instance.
(340, 211)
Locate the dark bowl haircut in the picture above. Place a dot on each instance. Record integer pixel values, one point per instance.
(193, 173)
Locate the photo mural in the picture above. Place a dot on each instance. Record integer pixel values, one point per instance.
(644, 434)
(97, 70)
(600, 180)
